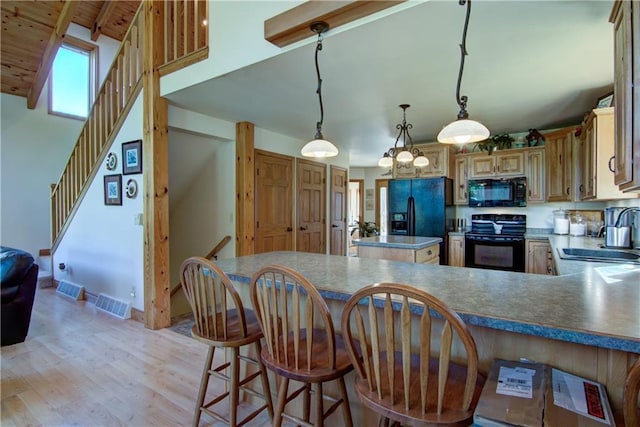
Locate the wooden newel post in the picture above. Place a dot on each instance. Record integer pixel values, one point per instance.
(157, 313)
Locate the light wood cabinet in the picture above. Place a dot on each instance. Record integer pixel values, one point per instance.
(539, 258)
(535, 175)
(487, 166)
(460, 195)
(596, 158)
(428, 255)
(440, 158)
(559, 167)
(625, 17)
(456, 251)
(438, 155)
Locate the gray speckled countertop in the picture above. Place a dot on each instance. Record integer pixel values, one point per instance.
(399, 242)
(579, 306)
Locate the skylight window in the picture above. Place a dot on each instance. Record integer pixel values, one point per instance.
(72, 80)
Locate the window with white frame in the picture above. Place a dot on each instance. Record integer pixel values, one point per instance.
(72, 80)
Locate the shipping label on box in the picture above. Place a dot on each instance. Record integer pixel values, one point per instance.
(513, 395)
(576, 401)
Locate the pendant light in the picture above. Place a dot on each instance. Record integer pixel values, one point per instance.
(463, 130)
(403, 154)
(319, 147)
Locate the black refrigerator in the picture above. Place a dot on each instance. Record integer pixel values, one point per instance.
(422, 207)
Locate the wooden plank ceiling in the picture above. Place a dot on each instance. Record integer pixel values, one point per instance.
(32, 31)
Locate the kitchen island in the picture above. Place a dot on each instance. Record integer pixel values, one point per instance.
(578, 322)
(421, 250)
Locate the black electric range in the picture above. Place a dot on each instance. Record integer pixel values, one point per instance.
(496, 241)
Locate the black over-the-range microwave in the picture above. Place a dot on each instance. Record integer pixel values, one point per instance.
(505, 192)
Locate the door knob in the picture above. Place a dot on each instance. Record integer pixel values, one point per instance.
(334, 226)
(289, 229)
(303, 228)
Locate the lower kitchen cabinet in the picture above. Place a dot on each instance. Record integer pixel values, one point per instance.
(428, 255)
(456, 251)
(539, 259)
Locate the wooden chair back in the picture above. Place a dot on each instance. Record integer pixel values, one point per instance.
(214, 301)
(292, 314)
(391, 325)
(631, 409)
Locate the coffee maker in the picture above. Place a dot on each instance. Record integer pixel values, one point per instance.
(618, 229)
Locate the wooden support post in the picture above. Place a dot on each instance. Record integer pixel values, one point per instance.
(53, 44)
(157, 313)
(245, 164)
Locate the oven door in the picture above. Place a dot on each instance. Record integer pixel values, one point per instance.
(495, 252)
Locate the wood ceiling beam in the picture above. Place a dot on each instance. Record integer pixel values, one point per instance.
(103, 17)
(293, 25)
(55, 40)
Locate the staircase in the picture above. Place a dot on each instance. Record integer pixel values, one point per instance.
(183, 39)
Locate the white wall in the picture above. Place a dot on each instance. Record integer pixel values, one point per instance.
(34, 148)
(103, 247)
(236, 38)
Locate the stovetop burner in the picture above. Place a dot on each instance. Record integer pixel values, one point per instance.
(498, 224)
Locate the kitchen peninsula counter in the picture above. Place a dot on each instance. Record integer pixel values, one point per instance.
(577, 322)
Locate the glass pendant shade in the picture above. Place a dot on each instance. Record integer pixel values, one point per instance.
(385, 161)
(463, 131)
(420, 161)
(404, 157)
(320, 148)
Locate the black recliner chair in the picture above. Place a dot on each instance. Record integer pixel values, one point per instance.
(18, 279)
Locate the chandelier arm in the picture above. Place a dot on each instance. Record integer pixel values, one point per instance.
(462, 100)
(319, 89)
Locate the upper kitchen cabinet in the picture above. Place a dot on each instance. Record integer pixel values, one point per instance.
(559, 169)
(535, 175)
(460, 195)
(597, 157)
(440, 158)
(625, 17)
(496, 165)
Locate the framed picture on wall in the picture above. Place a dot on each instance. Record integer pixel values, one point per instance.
(113, 190)
(132, 157)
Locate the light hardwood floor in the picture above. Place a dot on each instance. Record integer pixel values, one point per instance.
(82, 367)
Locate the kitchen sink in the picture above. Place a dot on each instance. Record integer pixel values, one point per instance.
(601, 255)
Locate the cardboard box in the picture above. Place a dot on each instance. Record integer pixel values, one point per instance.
(537, 395)
(576, 401)
(513, 395)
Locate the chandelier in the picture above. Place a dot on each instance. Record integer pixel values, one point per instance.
(463, 129)
(319, 147)
(404, 154)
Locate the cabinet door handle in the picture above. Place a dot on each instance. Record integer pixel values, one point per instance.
(289, 229)
(581, 188)
(334, 226)
(302, 228)
(568, 191)
(610, 160)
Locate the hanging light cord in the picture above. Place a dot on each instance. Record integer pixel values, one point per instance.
(462, 101)
(319, 90)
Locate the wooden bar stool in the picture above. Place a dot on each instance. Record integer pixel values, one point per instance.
(300, 342)
(404, 372)
(630, 408)
(222, 322)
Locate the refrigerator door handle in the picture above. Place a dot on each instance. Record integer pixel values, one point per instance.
(411, 216)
